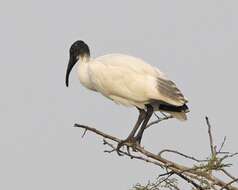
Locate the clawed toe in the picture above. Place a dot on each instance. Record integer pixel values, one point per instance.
(119, 145)
(132, 141)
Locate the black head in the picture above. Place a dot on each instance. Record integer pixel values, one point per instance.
(78, 49)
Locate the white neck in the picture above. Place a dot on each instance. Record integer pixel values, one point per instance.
(83, 74)
(84, 59)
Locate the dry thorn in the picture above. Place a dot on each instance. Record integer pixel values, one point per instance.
(222, 145)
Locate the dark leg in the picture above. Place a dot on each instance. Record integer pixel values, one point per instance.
(146, 120)
(130, 138)
(141, 117)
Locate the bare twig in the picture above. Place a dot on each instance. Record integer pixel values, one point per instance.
(190, 181)
(181, 154)
(210, 137)
(165, 174)
(159, 119)
(228, 184)
(228, 174)
(130, 155)
(169, 174)
(85, 131)
(223, 143)
(194, 175)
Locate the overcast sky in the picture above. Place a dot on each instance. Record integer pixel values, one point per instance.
(194, 42)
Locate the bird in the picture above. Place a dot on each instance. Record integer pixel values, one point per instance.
(129, 81)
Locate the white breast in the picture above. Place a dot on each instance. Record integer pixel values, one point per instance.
(84, 77)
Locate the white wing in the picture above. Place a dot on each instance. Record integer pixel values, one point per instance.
(130, 78)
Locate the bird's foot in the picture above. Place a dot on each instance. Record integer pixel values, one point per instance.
(130, 142)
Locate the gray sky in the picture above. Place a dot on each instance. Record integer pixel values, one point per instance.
(194, 42)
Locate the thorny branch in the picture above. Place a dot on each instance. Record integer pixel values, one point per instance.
(200, 175)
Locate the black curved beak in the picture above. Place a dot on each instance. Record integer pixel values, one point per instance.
(72, 61)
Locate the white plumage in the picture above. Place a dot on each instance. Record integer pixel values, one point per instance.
(129, 81)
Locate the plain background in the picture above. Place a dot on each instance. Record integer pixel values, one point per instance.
(194, 42)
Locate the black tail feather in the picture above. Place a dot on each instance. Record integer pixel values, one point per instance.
(183, 108)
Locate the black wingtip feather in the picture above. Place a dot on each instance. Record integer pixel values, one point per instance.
(183, 108)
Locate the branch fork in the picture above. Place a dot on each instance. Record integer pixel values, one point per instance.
(200, 176)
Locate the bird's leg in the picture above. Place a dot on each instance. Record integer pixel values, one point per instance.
(130, 138)
(144, 124)
(141, 117)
